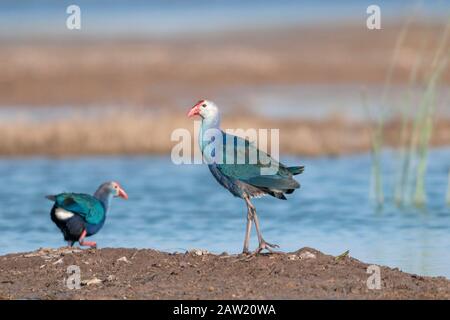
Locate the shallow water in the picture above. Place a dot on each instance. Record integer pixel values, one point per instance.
(176, 208)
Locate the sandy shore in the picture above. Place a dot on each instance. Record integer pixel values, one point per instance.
(149, 274)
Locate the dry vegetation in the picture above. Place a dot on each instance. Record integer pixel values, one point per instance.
(160, 72)
(138, 133)
(156, 71)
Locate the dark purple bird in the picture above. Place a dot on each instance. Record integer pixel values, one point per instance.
(244, 179)
(80, 215)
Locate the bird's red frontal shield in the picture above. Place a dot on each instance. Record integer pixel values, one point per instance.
(195, 110)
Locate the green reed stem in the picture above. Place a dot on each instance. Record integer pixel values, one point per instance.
(448, 190)
(428, 105)
(438, 65)
(405, 160)
(376, 136)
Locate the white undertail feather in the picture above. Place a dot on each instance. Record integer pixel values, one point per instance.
(62, 214)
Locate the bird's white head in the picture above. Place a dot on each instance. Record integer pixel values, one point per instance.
(205, 109)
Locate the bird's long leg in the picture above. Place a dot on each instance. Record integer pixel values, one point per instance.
(248, 229)
(91, 244)
(262, 243)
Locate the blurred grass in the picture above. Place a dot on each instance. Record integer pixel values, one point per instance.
(409, 107)
(377, 134)
(376, 137)
(448, 190)
(425, 131)
(418, 142)
(143, 132)
(427, 113)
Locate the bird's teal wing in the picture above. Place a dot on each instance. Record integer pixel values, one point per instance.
(236, 164)
(86, 206)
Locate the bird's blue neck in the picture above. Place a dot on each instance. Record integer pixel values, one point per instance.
(104, 197)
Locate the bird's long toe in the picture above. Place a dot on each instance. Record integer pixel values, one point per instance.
(266, 246)
(91, 244)
(271, 245)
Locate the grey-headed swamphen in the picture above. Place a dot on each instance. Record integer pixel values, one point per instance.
(80, 215)
(244, 179)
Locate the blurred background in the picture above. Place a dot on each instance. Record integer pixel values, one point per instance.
(366, 111)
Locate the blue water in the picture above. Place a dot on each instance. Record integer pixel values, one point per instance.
(31, 18)
(177, 208)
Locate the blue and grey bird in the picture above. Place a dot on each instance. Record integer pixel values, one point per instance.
(231, 165)
(80, 215)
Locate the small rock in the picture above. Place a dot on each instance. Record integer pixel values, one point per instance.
(91, 282)
(307, 255)
(58, 262)
(111, 277)
(293, 257)
(199, 252)
(124, 259)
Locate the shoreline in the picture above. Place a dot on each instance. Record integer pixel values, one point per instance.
(117, 273)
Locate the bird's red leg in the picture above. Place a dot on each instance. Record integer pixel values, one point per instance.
(91, 244)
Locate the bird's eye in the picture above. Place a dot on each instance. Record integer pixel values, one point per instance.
(204, 105)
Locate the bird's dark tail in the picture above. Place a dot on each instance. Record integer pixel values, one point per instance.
(51, 197)
(296, 170)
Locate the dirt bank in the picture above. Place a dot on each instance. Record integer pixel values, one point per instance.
(148, 274)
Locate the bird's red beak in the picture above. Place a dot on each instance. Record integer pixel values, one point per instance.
(195, 110)
(123, 194)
